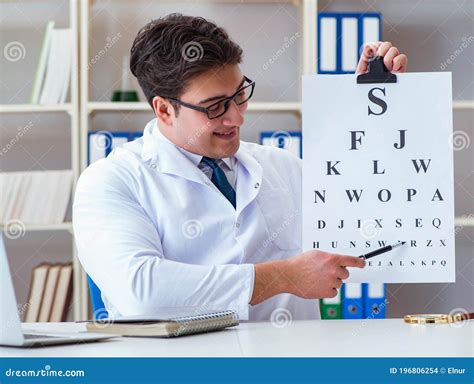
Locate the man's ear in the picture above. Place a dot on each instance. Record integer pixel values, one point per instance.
(163, 110)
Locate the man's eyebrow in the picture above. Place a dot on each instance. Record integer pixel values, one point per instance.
(221, 96)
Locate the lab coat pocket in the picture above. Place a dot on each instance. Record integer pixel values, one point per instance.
(282, 217)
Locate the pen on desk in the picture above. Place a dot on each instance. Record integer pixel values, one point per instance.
(381, 250)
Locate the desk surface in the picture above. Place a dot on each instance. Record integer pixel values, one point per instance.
(329, 338)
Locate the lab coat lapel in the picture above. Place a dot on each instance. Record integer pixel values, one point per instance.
(165, 157)
(249, 179)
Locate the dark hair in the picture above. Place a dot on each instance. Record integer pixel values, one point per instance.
(168, 52)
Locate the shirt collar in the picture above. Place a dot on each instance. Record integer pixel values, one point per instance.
(229, 162)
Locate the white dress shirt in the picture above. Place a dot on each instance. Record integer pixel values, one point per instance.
(226, 164)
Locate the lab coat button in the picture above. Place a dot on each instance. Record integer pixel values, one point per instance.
(257, 185)
(237, 225)
(153, 166)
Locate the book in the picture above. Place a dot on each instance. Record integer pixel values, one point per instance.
(67, 65)
(37, 197)
(50, 80)
(62, 297)
(58, 68)
(170, 323)
(38, 284)
(41, 68)
(49, 292)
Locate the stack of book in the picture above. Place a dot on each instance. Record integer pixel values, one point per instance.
(37, 197)
(53, 73)
(50, 293)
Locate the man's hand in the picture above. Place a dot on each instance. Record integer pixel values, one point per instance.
(310, 275)
(392, 58)
(316, 274)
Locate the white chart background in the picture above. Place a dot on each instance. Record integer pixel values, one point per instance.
(421, 103)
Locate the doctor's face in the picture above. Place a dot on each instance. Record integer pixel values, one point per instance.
(193, 130)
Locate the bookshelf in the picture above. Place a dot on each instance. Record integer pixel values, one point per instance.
(71, 108)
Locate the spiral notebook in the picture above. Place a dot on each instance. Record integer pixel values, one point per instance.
(169, 323)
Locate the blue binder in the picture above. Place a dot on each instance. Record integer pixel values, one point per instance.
(374, 300)
(340, 38)
(352, 301)
(101, 143)
(98, 306)
(291, 141)
(135, 135)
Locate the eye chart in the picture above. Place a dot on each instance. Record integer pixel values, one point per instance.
(378, 169)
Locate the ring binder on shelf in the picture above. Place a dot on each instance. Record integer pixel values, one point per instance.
(341, 37)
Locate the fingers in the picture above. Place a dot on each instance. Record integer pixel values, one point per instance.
(342, 273)
(351, 261)
(370, 50)
(393, 60)
(389, 56)
(400, 63)
(384, 48)
(331, 293)
(368, 54)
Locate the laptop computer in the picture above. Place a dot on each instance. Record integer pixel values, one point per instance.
(11, 333)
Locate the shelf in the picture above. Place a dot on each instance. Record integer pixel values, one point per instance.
(118, 106)
(66, 226)
(34, 108)
(294, 107)
(463, 104)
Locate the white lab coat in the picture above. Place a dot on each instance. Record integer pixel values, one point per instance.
(152, 230)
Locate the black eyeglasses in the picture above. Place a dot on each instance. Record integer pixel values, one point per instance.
(220, 107)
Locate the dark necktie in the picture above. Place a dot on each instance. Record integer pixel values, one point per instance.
(220, 180)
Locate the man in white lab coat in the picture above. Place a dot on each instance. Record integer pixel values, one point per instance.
(189, 215)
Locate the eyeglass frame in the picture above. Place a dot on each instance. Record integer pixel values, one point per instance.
(226, 100)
